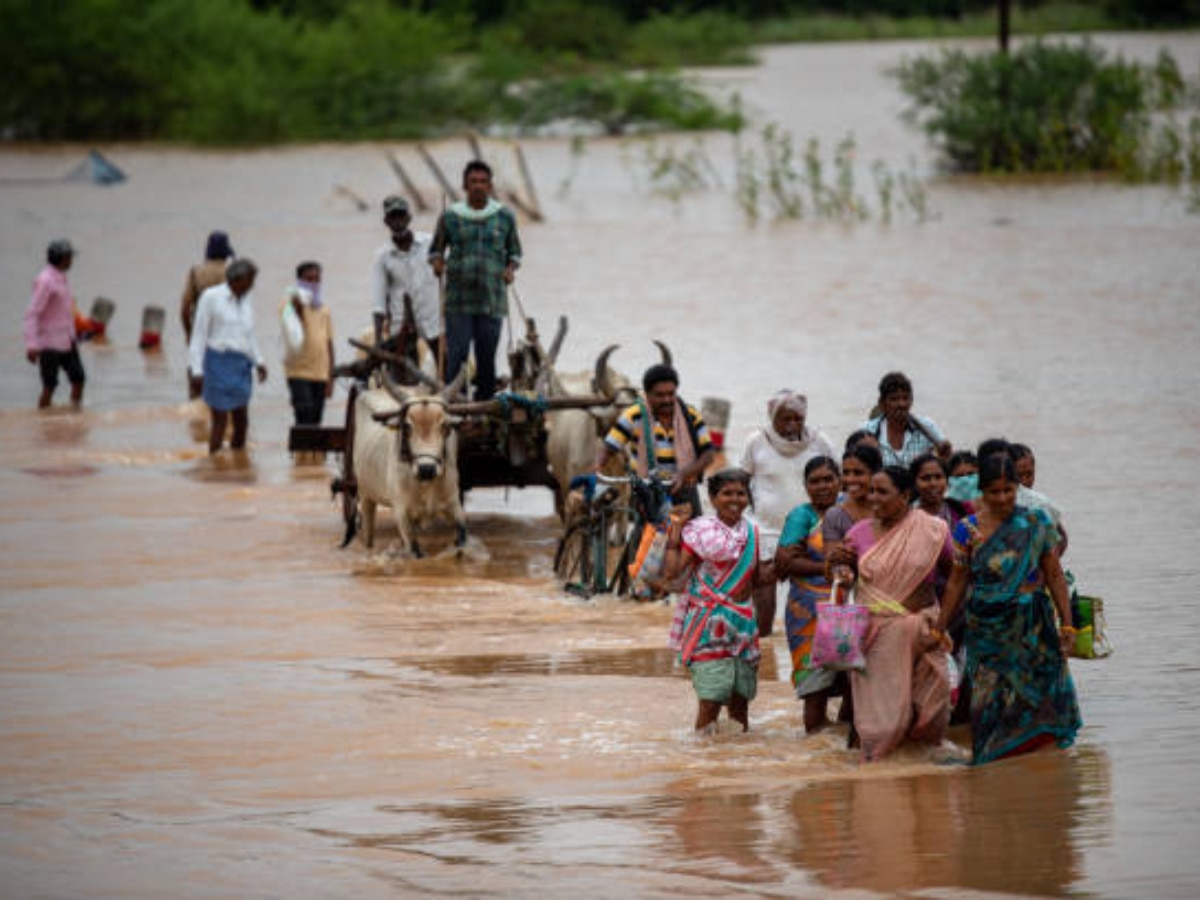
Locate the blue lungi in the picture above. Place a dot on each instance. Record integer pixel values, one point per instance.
(228, 379)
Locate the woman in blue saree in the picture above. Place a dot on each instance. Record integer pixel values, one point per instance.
(1022, 694)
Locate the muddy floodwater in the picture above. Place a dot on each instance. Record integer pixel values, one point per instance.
(202, 696)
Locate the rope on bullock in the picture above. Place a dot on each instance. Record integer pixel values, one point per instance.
(535, 405)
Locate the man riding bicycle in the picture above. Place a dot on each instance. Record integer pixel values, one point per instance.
(663, 434)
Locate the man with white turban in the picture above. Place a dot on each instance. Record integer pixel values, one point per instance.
(775, 456)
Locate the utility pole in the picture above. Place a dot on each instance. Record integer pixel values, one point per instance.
(1004, 8)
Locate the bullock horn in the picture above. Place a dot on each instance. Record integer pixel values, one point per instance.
(666, 353)
(454, 388)
(394, 389)
(403, 361)
(556, 344)
(600, 380)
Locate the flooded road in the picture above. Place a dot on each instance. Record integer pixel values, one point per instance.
(202, 696)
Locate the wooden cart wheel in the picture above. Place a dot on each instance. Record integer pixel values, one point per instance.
(349, 485)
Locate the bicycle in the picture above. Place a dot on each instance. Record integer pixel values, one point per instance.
(582, 560)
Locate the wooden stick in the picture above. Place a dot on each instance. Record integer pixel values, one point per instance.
(473, 142)
(447, 187)
(920, 426)
(409, 188)
(528, 179)
(515, 199)
(358, 201)
(444, 342)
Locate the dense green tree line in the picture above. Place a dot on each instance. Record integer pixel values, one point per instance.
(233, 71)
(216, 69)
(484, 12)
(252, 71)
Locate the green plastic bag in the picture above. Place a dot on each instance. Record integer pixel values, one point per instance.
(1091, 642)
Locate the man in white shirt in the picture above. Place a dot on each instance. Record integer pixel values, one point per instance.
(404, 290)
(224, 350)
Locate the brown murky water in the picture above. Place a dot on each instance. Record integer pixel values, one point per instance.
(201, 696)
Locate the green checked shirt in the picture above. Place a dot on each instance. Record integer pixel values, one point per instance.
(478, 245)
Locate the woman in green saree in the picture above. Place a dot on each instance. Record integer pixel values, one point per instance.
(1022, 695)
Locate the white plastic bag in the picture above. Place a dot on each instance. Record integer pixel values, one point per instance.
(293, 325)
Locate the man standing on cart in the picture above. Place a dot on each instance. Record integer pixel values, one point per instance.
(662, 433)
(404, 293)
(477, 247)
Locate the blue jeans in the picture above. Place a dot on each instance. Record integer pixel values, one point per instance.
(463, 329)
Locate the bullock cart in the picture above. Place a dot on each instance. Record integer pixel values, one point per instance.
(498, 442)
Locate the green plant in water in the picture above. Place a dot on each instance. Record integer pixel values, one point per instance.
(916, 196)
(674, 173)
(578, 147)
(1193, 165)
(847, 204)
(885, 187)
(783, 181)
(746, 180)
(1048, 108)
(814, 179)
(772, 173)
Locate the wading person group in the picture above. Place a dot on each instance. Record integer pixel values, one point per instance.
(972, 585)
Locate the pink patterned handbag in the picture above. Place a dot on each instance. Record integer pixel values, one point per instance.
(841, 628)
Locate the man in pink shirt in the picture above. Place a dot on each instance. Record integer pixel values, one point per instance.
(50, 326)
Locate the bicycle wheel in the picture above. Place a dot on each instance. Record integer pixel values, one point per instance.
(573, 559)
(621, 582)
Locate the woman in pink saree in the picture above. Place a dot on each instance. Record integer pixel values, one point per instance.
(904, 694)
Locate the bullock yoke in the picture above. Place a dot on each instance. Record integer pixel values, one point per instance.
(502, 441)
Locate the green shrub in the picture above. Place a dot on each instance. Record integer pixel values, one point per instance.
(1044, 108)
(376, 71)
(570, 31)
(703, 39)
(69, 73)
(230, 71)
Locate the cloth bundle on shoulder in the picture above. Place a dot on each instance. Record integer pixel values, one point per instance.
(838, 639)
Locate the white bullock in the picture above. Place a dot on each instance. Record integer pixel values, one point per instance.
(406, 457)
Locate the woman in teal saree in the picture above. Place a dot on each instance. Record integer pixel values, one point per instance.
(1006, 567)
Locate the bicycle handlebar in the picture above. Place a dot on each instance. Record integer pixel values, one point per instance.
(631, 478)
